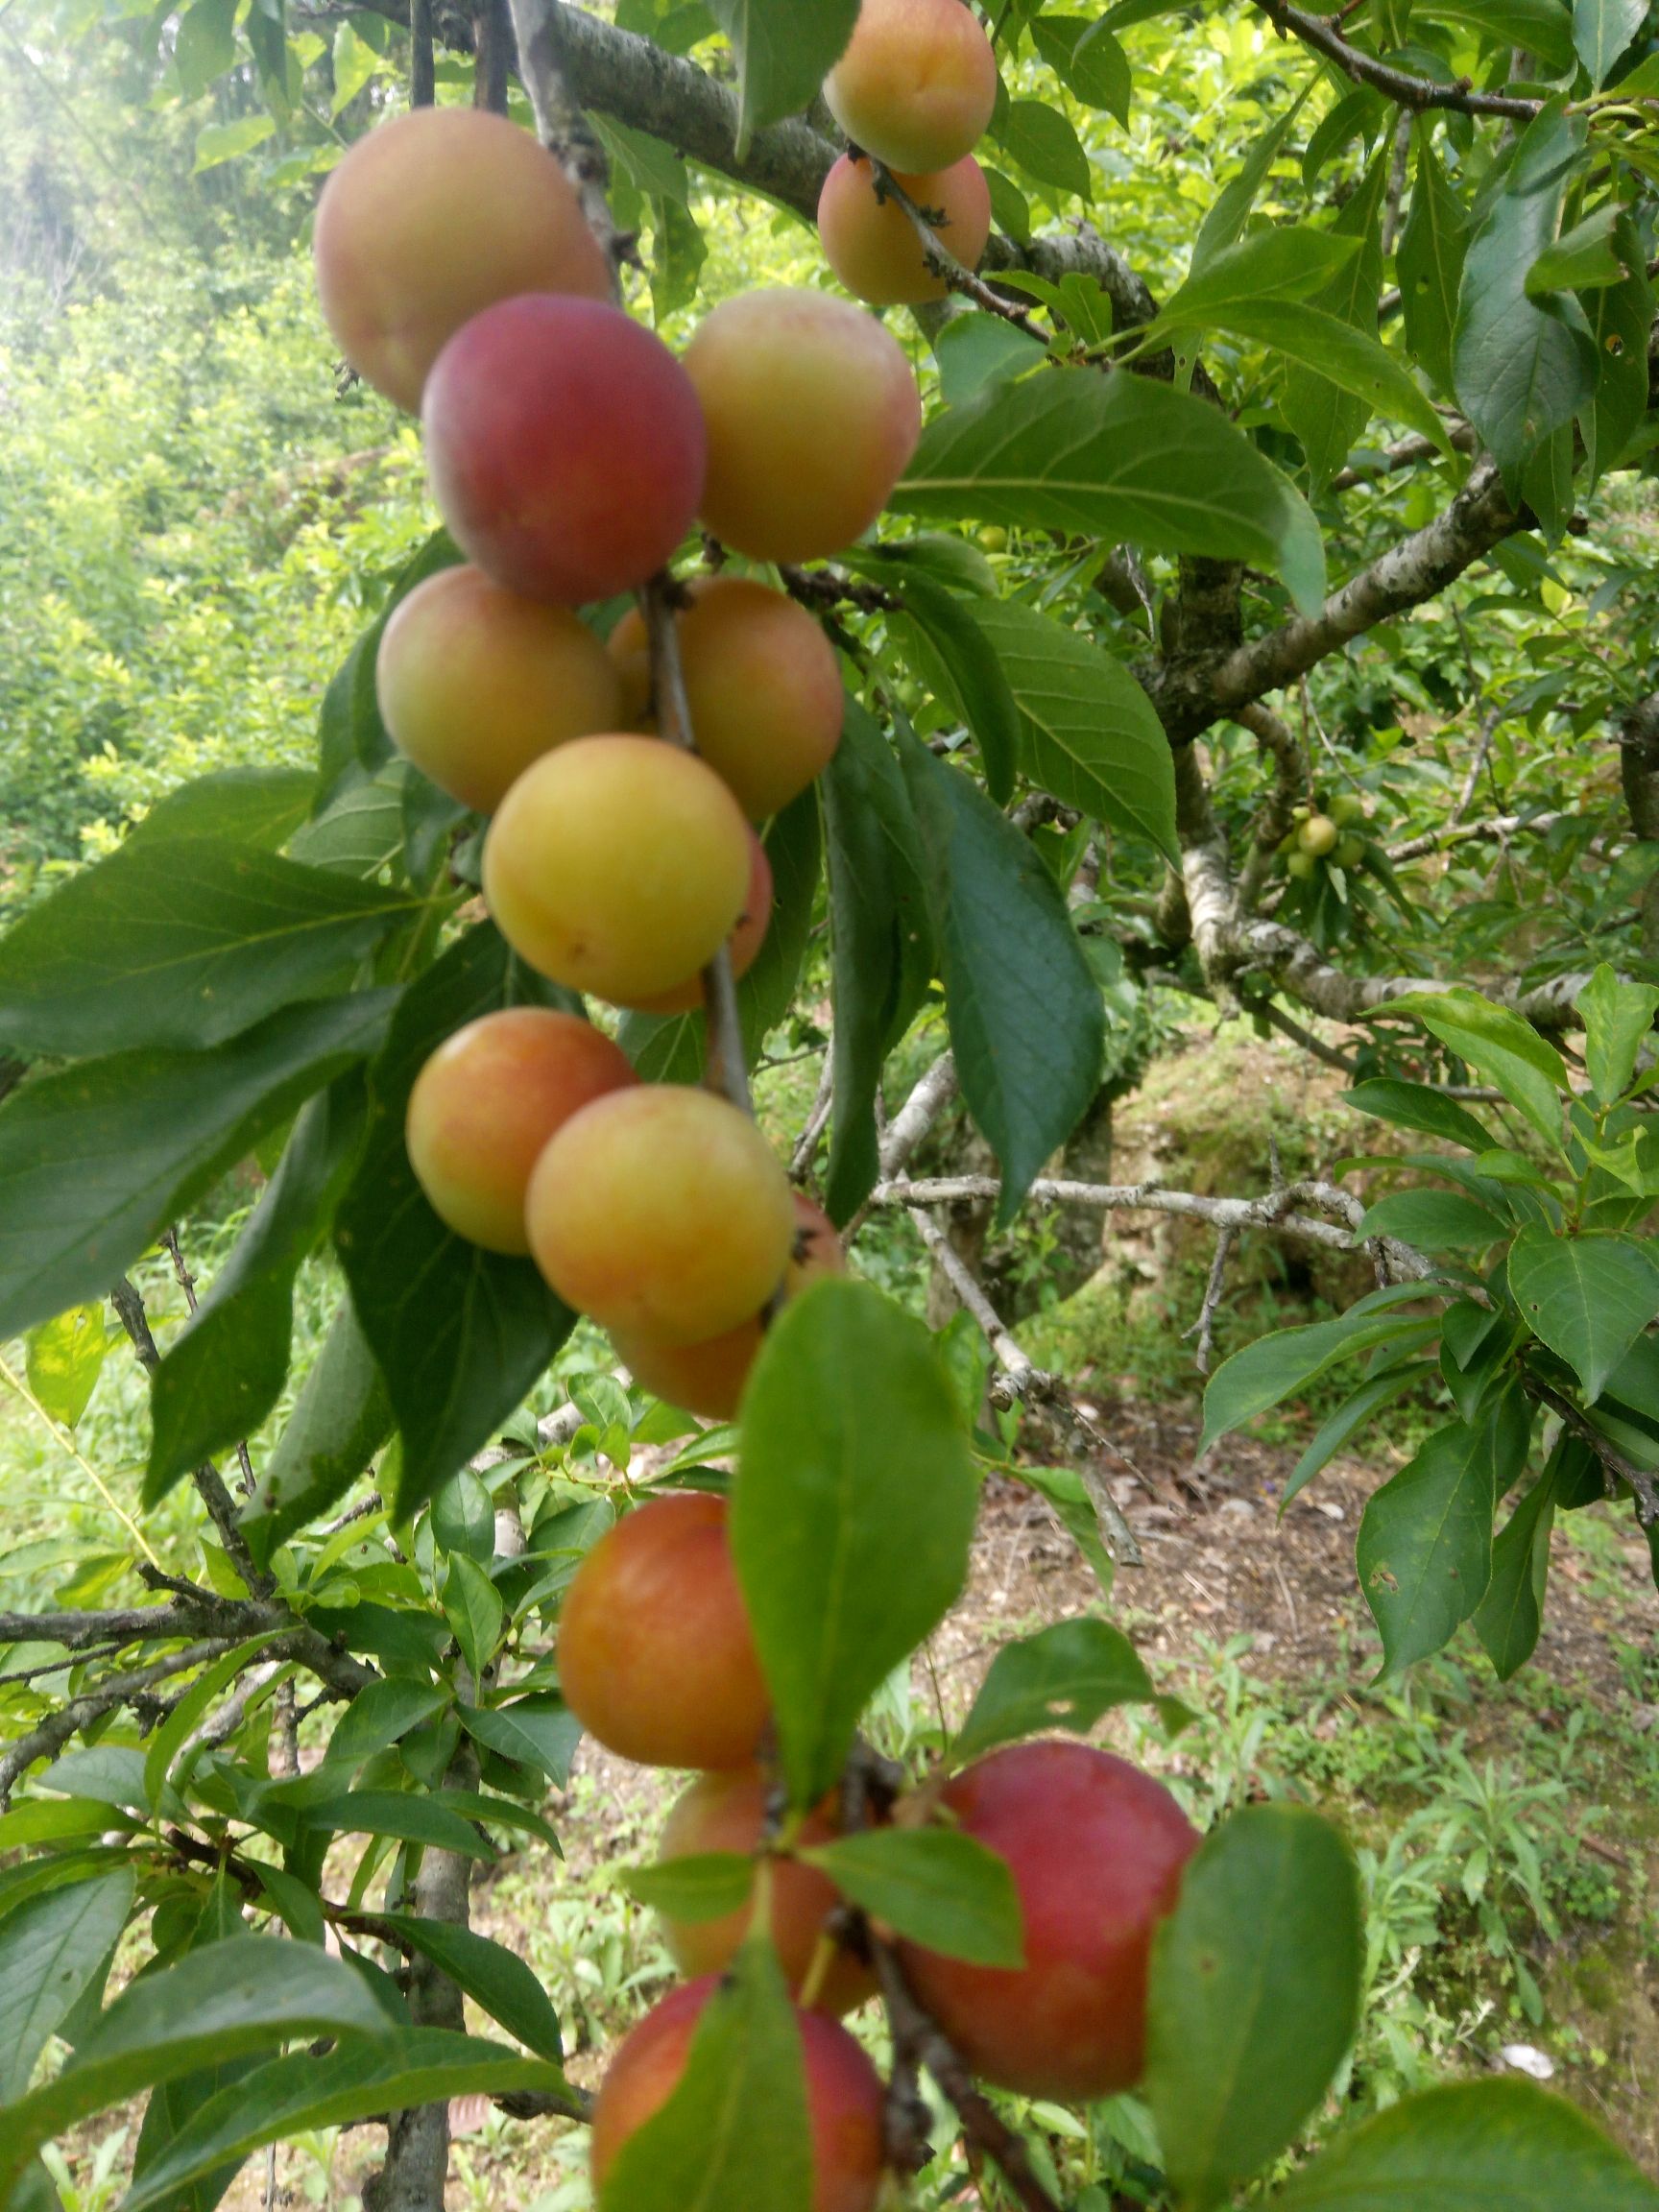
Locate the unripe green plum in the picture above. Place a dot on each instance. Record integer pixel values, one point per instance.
(617, 865)
(845, 2101)
(663, 1210)
(475, 683)
(1317, 835)
(762, 685)
(429, 219)
(813, 413)
(872, 244)
(655, 1654)
(744, 945)
(727, 1812)
(1350, 851)
(487, 1101)
(1346, 808)
(1097, 1849)
(1302, 867)
(709, 1378)
(566, 447)
(916, 85)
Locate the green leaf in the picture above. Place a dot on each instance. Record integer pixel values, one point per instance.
(350, 734)
(1601, 32)
(1027, 1019)
(95, 1160)
(1542, 28)
(395, 1812)
(214, 2005)
(1522, 372)
(1434, 1220)
(1581, 259)
(1328, 402)
(52, 1950)
(1589, 1298)
(378, 1715)
(1063, 1677)
(735, 2132)
(931, 1885)
(360, 833)
(784, 48)
(473, 1608)
(1620, 318)
(204, 45)
(1500, 1047)
(182, 943)
(1254, 1995)
(1088, 733)
(1425, 1550)
(460, 1333)
(1618, 1020)
(354, 61)
(63, 1359)
(1113, 457)
(1344, 356)
(1512, 1611)
(967, 662)
(536, 1731)
(701, 1885)
(1473, 2147)
(293, 2096)
(224, 1371)
(192, 1705)
(1230, 211)
(1044, 143)
(1282, 1363)
(880, 946)
(341, 1419)
(1417, 1106)
(650, 164)
(852, 1513)
(1432, 249)
(463, 1517)
(975, 351)
(1291, 262)
(260, 807)
(1351, 1415)
(496, 1977)
(226, 141)
(1088, 61)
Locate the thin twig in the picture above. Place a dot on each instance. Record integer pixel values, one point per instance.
(943, 263)
(1204, 1327)
(1416, 93)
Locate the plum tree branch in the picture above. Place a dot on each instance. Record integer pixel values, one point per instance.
(1417, 94)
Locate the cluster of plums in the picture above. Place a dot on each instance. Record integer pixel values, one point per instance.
(1328, 834)
(570, 453)
(656, 1661)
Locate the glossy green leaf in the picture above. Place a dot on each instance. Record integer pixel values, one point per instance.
(1284, 1361)
(1602, 30)
(852, 1513)
(1226, 218)
(1619, 317)
(1432, 249)
(339, 1420)
(1088, 61)
(1344, 356)
(260, 807)
(701, 1885)
(785, 49)
(1113, 457)
(63, 1359)
(1042, 141)
(1501, 2146)
(1254, 1995)
(881, 944)
(498, 1978)
(51, 1950)
(204, 45)
(1581, 259)
(534, 1731)
(460, 1333)
(473, 1608)
(735, 2130)
(1512, 1611)
(191, 1708)
(1352, 1415)
(1587, 1297)
(1088, 733)
(96, 1159)
(214, 2005)
(463, 1517)
(1522, 372)
(224, 1371)
(182, 942)
(932, 1886)
(1418, 1106)
(1507, 1051)
(1063, 1677)
(378, 1715)
(1329, 401)
(412, 1819)
(1618, 1020)
(964, 658)
(1293, 262)
(1026, 1020)
(1425, 1550)
(291, 2096)
(1434, 1220)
